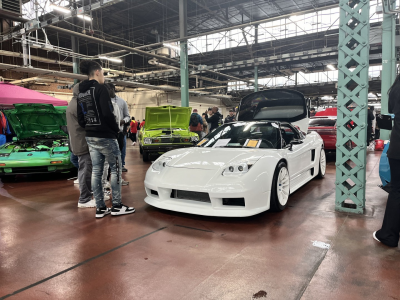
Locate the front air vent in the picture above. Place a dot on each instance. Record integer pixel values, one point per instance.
(233, 201)
(189, 195)
(153, 192)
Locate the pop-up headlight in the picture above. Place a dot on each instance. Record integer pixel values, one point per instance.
(147, 140)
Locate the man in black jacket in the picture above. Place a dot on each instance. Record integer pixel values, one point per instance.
(214, 119)
(95, 114)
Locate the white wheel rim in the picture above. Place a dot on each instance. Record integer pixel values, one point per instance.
(322, 162)
(283, 186)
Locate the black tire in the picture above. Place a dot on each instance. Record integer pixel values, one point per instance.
(275, 205)
(140, 149)
(320, 173)
(145, 156)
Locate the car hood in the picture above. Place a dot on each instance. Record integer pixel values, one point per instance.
(37, 120)
(167, 117)
(211, 158)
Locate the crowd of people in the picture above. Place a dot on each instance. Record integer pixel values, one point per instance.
(209, 120)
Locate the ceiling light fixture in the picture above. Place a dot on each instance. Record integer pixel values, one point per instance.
(331, 67)
(60, 9)
(172, 47)
(113, 59)
(86, 18)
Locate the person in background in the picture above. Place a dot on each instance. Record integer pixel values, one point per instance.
(208, 112)
(390, 230)
(205, 126)
(142, 124)
(312, 112)
(95, 114)
(124, 123)
(196, 123)
(231, 118)
(118, 118)
(214, 119)
(80, 150)
(133, 130)
(74, 160)
(370, 119)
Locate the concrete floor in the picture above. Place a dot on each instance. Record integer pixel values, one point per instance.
(50, 249)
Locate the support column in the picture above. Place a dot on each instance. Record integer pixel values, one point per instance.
(388, 59)
(184, 53)
(75, 61)
(24, 45)
(352, 105)
(256, 78)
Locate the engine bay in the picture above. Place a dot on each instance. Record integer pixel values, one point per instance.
(35, 145)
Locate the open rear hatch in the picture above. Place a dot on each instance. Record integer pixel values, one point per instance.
(281, 105)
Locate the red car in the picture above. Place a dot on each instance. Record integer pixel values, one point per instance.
(324, 122)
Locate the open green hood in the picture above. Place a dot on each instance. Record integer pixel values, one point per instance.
(37, 120)
(167, 117)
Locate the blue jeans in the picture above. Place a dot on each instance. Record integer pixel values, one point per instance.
(123, 154)
(102, 149)
(74, 160)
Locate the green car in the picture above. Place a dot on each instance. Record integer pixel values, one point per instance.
(166, 128)
(40, 146)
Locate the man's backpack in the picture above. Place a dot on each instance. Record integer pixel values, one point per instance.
(194, 120)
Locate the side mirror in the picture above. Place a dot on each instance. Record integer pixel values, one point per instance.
(294, 142)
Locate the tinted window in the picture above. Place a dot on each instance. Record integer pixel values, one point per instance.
(279, 104)
(322, 122)
(235, 135)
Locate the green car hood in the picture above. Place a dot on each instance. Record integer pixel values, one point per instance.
(37, 120)
(167, 117)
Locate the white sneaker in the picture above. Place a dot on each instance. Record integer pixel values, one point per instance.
(134, 144)
(91, 203)
(106, 197)
(123, 182)
(375, 238)
(76, 181)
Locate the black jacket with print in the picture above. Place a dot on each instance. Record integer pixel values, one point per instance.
(95, 110)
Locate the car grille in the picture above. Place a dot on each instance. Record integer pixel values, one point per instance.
(27, 170)
(189, 195)
(170, 140)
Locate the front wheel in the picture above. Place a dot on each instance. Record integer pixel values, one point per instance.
(322, 164)
(280, 188)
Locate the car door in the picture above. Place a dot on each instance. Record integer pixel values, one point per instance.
(299, 156)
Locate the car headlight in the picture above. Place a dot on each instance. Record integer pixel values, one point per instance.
(147, 140)
(160, 163)
(237, 169)
(4, 154)
(194, 139)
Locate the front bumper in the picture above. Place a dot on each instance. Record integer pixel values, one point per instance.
(36, 166)
(254, 192)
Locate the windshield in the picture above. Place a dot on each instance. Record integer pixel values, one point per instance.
(244, 135)
(322, 122)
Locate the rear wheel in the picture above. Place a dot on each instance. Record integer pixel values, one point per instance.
(280, 188)
(145, 156)
(322, 164)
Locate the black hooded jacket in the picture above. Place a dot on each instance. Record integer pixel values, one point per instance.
(95, 110)
(213, 120)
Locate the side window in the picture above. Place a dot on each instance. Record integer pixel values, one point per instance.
(289, 134)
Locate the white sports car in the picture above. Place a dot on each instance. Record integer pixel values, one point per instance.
(242, 168)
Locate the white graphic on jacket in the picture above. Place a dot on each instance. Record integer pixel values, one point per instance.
(89, 107)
